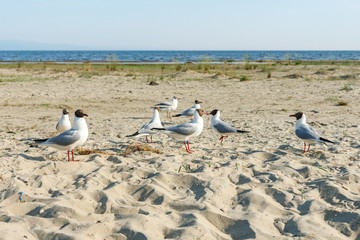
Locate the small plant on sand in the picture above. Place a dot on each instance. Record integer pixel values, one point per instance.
(287, 58)
(162, 66)
(178, 67)
(297, 62)
(206, 63)
(320, 72)
(130, 75)
(151, 79)
(88, 66)
(186, 166)
(247, 62)
(244, 78)
(206, 68)
(342, 103)
(347, 87)
(268, 71)
(112, 62)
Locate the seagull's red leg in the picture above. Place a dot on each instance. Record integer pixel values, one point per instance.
(68, 156)
(151, 139)
(309, 147)
(186, 146)
(147, 139)
(72, 152)
(190, 151)
(304, 146)
(221, 139)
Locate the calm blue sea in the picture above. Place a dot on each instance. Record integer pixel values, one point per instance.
(174, 56)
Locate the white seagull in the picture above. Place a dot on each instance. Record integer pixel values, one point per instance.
(168, 106)
(186, 130)
(222, 127)
(307, 133)
(190, 111)
(146, 129)
(64, 123)
(72, 138)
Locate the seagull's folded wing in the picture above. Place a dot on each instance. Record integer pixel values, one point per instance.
(188, 112)
(223, 127)
(307, 132)
(65, 138)
(163, 104)
(183, 129)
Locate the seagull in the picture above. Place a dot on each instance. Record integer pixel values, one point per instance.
(190, 111)
(222, 127)
(72, 138)
(64, 123)
(168, 106)
(146, 129)
(186, 130)
(307, 133)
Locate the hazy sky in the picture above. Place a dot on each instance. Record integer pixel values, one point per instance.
(185, 24)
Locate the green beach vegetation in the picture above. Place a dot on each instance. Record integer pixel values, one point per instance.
(245, 70)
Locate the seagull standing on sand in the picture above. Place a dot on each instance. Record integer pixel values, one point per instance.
(146, 129)
(307, 133)
(168, 106)
(190, 111)
(72, 138)
(186, 130)
(222, 127)
(64, 123)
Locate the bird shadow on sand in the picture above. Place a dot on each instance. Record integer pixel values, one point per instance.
(354, 145)
(121, 144)
(249, 151)
(40, 159)
(137, 118)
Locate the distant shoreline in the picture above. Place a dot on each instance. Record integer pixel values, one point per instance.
(188, 62)
(166, 57)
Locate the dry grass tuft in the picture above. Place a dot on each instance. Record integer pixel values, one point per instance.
(90, 151)
(342, 103)
(134, 147)
(293, 76)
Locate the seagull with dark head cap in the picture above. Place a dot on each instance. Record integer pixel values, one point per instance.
(72, 138)
(307, 133)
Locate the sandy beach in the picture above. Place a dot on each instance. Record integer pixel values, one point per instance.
(258, 185)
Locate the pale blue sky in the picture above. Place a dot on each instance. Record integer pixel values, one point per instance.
(185, 24)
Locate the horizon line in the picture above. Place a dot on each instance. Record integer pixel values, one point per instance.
(209, 50)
